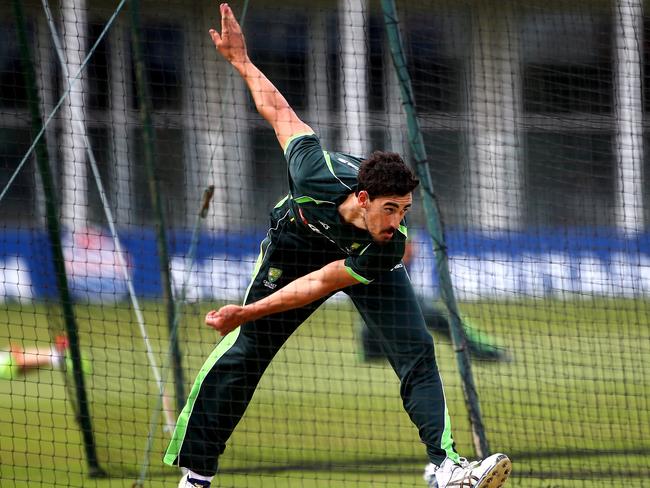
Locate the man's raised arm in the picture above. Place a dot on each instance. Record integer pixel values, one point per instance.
(268, 100)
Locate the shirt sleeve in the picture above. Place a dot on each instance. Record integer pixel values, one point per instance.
(376, 259)
(310, 170)
(304, 154)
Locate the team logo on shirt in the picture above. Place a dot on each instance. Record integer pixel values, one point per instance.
(274, 274)
(271, 277)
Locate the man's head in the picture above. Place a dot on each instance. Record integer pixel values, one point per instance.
(384, 192)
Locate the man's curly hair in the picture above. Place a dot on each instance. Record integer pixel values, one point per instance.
(385, 174)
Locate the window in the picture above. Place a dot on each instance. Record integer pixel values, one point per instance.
(279, 49)
(269, 174)
(100, 141)
(377, 71)
(18, 205)
(435, 55)
(568, 99)
(97, 93)
(570, 179)
(567, 62)
(169, 172)
(162, 47)
(333, 61)
(13, 92)
(447, 166)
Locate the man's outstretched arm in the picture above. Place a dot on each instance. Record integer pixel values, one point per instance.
(298, 293)
(268, 100)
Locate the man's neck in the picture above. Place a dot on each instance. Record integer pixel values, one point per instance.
(351, 212)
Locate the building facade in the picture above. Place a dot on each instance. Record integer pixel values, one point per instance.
(532, 112)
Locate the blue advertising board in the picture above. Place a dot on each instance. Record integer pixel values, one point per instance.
(549, 263)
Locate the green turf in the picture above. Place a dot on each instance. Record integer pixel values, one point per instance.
(571, 408)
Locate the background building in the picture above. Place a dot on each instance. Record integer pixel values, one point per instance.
(532, 111)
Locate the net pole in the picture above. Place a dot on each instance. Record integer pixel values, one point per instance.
(154, 191)
(435, 228)
(628, 106)
(54, 233)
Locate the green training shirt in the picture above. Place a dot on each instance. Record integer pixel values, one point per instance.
(320, 181)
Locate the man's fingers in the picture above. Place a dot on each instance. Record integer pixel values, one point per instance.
(216, 38)
(222, 320)
(214, 322)
(226, 17)
(218, 325)
(228, 20)
(226, 11)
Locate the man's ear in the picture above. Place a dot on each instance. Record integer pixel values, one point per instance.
(363, 198)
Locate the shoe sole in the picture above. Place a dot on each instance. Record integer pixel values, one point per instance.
(498, 475)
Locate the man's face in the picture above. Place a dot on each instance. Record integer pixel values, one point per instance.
(384, 214)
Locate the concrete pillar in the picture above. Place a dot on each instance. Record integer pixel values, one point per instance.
(494, 106)
(73, 149)
(122, 200)
(195, 123)
(354, 59)
(220, 105)
(45, 65)
(628, 106)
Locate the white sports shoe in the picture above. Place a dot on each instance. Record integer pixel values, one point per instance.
(187, 482)
(492, 472)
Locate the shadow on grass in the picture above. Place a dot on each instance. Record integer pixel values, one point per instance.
(397, 465)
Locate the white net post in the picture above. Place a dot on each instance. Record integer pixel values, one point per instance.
(628, 106)
(495, 175)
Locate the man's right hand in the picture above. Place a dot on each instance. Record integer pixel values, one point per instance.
(231, 43)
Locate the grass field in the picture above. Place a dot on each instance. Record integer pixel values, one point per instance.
(571, 408)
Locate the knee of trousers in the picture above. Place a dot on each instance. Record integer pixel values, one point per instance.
(421, 375)
(415, 359)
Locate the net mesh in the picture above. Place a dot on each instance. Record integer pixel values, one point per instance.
(532, 114)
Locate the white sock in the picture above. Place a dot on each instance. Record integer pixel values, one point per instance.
(193, 475)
